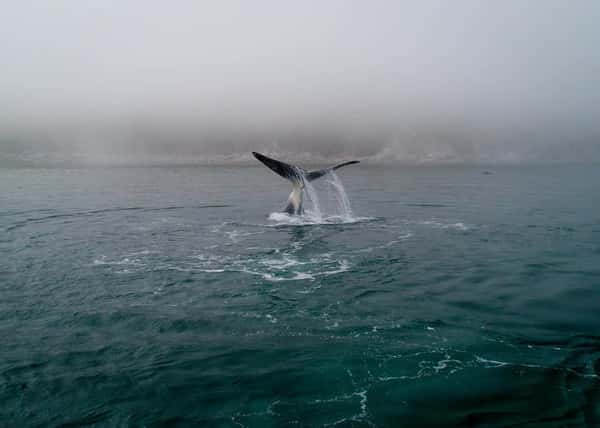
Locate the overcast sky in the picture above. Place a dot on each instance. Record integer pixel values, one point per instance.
(468, 81)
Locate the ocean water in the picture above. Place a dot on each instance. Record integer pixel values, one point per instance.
(450, 296)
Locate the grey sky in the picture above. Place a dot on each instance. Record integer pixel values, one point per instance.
(440, 80)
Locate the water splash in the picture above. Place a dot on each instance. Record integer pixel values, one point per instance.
(314, 213)
(340, 195)
(322, 205)
(332, 205)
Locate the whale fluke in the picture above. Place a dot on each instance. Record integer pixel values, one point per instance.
(313, 175)
(291, 172)
(298, 176)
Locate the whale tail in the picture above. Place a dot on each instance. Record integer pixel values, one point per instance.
(313, 175)
(298, 176)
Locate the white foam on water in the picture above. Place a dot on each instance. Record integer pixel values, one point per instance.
(237, 236)
(490, 363)
(103, 260)
(271, 264)
(312, 270)
(278, 266)
(343, 267)
(388, 244)
(314, 212)
(274, 278)
(309, 219)
(282, 264)
(439, 225)
(140, 253)
(361, 416)
(446, 362)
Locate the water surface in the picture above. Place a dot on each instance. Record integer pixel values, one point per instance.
(167, 297)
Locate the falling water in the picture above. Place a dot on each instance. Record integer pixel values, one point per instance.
(311, 194)
(337, 200)
(340, 195)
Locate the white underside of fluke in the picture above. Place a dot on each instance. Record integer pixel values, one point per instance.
(294, 203)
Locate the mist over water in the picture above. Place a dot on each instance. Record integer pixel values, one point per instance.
(179, 294)
(96, 84)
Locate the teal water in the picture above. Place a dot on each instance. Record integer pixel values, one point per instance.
(166, 297)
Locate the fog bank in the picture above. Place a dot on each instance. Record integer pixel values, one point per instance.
(453, 82)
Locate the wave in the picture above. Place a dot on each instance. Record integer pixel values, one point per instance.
(90, 213)
(309, 218)
(272, 266)
(442, 225)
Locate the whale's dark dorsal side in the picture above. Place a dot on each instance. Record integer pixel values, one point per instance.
(298, 176)
(291, 172)
(313, 175)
